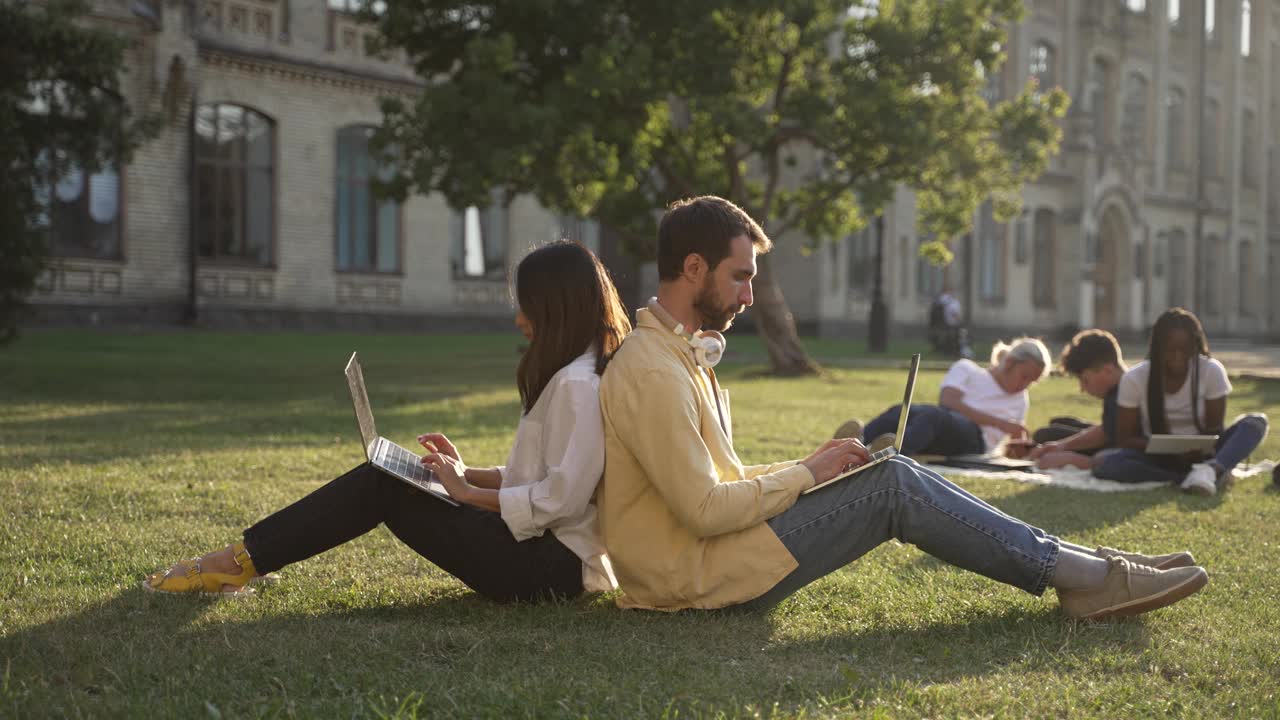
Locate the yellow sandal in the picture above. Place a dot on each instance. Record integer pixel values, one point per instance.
(191, 579)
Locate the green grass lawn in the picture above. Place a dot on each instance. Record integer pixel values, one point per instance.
(122, 453)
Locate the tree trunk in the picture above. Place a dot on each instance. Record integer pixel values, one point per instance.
(776, 326)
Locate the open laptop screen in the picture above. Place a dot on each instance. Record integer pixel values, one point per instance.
(906, 402)
(360, 400)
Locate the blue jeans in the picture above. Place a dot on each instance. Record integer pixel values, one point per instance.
(830, 528)
(931, 430)
(1234, 445)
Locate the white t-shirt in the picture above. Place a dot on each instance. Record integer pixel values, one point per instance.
(983, 393)
(1177, 407)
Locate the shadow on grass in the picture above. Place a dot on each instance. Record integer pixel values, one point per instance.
(465, 655)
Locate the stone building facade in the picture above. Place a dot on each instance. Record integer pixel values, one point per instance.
(252, 206)
(1166, 192)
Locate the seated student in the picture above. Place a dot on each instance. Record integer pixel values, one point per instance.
(978, 408)
(1155, 398)
(688, 526)
(525, 531)
(1094, 358)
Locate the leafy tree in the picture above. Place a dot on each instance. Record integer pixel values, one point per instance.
(60, 107)
(807, 113)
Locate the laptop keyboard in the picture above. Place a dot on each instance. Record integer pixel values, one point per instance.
(396, 459)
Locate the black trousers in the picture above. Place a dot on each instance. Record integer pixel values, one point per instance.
(471, 544)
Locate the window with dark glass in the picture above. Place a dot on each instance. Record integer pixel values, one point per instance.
(1043, 293)
(480, 242)
(861, 260)
(1175, 144)
(235, 184)
(367, 229)
(81, 213)
(1134, 124)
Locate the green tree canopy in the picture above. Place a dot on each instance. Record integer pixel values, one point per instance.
(60, 106)
(807, 113)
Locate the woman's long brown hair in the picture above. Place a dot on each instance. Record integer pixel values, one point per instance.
(568, 298)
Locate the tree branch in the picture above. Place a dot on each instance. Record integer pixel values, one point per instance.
(772, 146)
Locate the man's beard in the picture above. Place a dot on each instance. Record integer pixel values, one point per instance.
(714, 315)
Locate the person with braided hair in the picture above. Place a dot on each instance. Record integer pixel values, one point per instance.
(1181, 390)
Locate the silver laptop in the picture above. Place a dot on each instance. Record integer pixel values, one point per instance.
(381, 452)
(880, 456)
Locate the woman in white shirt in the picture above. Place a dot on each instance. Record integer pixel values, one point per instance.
(1156, 398)
(978, 408)
(522, 532)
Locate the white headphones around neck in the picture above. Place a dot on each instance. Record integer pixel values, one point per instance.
(708, 345)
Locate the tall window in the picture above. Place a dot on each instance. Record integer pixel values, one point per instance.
(1210, 263)
(862, 258)
(1249, 148)
(991, 256)
(1211, 131)
(1042, 66)
(1178, 268)
(480, 242)
(1134, 129)
(1244, 283)
(1100, 99)
(1175, 12)
(1210, 17)
(929, 277)
(1175, 140)
(235, 186)
(81, 213)
(1043, 292)
(1246, 27)
(367, 230)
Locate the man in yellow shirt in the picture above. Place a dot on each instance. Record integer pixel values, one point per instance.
(687, 525)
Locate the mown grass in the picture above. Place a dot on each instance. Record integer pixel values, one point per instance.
(122, 453)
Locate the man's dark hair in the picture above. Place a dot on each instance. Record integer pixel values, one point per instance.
(1090, 349)
(703, 225)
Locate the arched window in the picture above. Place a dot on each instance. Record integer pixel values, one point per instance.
(81, 212)
(1042, 66)
(1178, 268)
(1249, 148)
(367, 230)
(234, 193)
(1043, 290)
(1134, 129)
(1175, 131)
(480, 241)
(1100, 99)
(1135, 6)
(1211, 131)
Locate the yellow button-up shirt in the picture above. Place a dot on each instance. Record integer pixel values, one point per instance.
(682, 519)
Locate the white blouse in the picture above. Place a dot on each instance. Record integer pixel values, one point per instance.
(549, 481)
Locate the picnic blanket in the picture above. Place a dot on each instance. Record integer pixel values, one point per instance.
(1077, 479)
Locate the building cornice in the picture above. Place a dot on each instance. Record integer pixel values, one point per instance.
(291, 68)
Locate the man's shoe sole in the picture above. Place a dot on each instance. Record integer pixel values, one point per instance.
(1182, 590)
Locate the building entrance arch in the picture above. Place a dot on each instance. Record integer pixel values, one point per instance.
(1113, 241)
